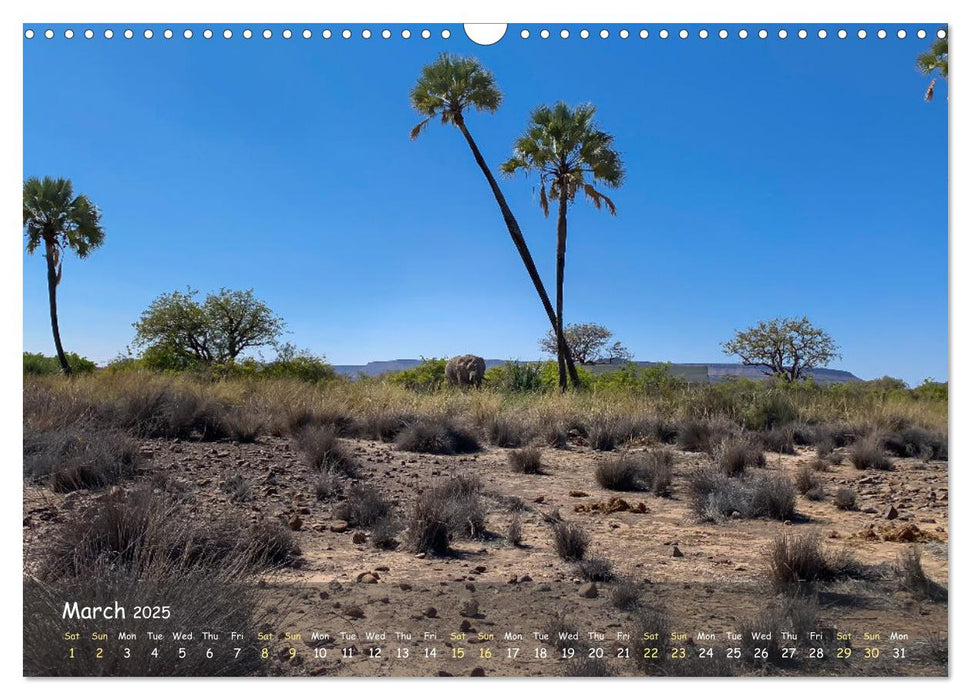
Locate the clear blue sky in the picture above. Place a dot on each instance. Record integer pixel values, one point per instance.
(764, 178)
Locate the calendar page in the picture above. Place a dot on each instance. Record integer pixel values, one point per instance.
(441, 350)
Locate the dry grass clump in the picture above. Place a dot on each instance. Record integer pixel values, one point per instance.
(657, 470)
(528, 460)
(867, 453)
(638, 471)
(620, 474)
(714, 496)
(323, 450)
(436, 435)
(385, 531)
(808, 483)
(582, 666)
(571, 541)
(797, 559)
(781, 440)
(735, 455)
(596, 569)
(917, 443)
(845, 498)
(701, 435)
(79, 458)
(328, 485)
(910, 572)
(238, 487)
(625, 595)
(514, 533)
(386, 424)
(451, 509)
(506, 430)
(363, 507)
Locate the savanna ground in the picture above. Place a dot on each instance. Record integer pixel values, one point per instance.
(272, 506)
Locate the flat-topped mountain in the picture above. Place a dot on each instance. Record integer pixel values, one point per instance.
(700, 372)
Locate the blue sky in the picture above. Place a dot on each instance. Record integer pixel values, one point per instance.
(764, 178)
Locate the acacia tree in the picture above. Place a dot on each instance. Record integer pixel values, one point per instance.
(587, 343)
(785, 347)
(59, 220)
(446, 89)
(933, 62)
(566, 149)
(218, 330)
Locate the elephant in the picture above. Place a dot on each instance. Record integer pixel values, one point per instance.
(465, 370)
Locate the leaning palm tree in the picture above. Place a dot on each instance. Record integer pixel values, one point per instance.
(567, 150)
(932, 61)
(57, 219)
(446, 89)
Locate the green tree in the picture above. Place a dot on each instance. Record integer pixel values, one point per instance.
(567, 150)
(59, 220)
(587, 343)
(785, 347)
(179, 332)
(933, 63)
(448, 88)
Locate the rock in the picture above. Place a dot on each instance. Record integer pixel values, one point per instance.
(477, 672)
(891, 513)
(296, 522)
(368, 578)
(525, 578)
(469, 607)
(675, 552)
(869, 510)
(539, 499)
(430, 612)
(513, 579)
(465, 625)
(404, 586)
(339, 526)
(359, 537)
(354, 612)
(589, 590)
(578, 494)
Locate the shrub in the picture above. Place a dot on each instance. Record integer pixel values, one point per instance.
(774, 497)
(734, 456)
(910, 571)
(36, 364)
(238, 487)
(588, 667)
(916, 442)
(570, 540)
(427, 376)
(232, 422)
(795, 559)
(825, 444)
(597, 569)
(271, 544)
(700, 436)
(435, 435)
(779, 440)
(657, 470)
(158, 410)
(553, 432)
(384, 532)
(625, 473)
(867, 453)
(364, 506)
(528, 460)
(323, 451)
(806, 480)
(515, 377)
(301, 365)
(79, 458)
(385, 425)
(505, 431)
(845, 498)
(327, 485)
(769, 409)
(452, 508)
(625, 595)
(819, 465)
(514, 533)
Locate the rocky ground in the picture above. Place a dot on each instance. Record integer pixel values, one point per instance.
(709, 577)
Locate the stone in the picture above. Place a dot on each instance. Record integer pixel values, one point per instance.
(339, 526)
(354, 612)
(891, 513)
(589, 590)
(469, 607)
(359, 537)
(675, 552)
(477, 672)
(465, 625)
(430, 612)
(296, 523)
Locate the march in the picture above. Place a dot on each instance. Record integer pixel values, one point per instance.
(93, 612)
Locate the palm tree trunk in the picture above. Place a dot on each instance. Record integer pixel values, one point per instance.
(520, 242)
(52, 298)
(560, 269)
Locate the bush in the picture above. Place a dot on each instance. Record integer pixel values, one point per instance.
(426, 377)
(514, 533)
(715, 496)
(774, 497)
(625, 595)
(159, 410)
(363, 507)
(588, 667)
(303, 366)
(570, 540)
(796, 559)
(232, 422)
(323, 451)
(845, 498)
(271, 544)
(36, 364)
(385, 425)
(781, 440)
(384, 532)
(736, 455)
(769, 409)
(453, 508)
(79, 458)
(806, 480)
(515, 377)
(700, 436)
(327, 485)
(436, 435)
(657, 471)
(238, 487)
(625, 473)
(912, 577)
(597, 569)
(916, 442)
(505, 431)
(528, 460)
(867, 453)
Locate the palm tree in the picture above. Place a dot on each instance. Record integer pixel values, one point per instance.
(565, 148)
(446, 89)
(932, 61)
(57, 219)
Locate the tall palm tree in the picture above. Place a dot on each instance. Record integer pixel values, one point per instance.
(932, 61)
(57, 219)
(446, 89)
(567, 150)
